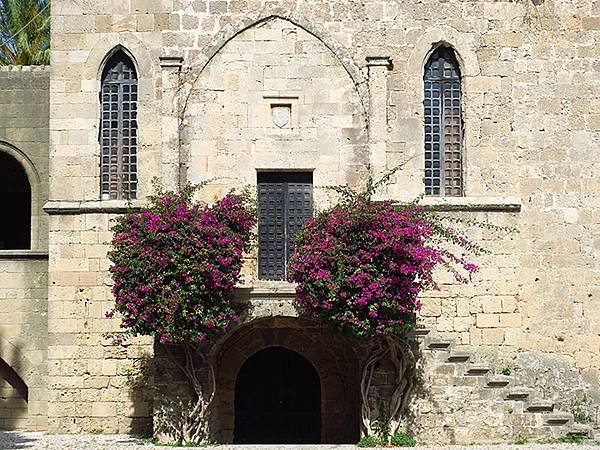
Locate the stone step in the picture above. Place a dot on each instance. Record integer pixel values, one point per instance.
(580, 429)
(477, 370)
(537, 406)
(498, 381)
(458, 357)
(519, 393)
(419, 333)
(559, 418)
(439, 344)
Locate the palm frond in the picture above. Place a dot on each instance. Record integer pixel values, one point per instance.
(24, 32)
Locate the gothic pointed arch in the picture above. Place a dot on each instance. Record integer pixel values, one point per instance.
(254, 18)
(443, 123)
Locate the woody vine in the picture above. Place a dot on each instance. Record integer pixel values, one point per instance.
(359, 266)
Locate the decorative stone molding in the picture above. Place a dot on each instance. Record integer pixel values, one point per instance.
(171, 62)
(375, 61)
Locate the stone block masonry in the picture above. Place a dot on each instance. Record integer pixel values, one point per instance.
(24, 112)
(530, 111)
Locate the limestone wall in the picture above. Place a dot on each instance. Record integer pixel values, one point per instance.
(24, 135)
(23, 273)
(531, 118)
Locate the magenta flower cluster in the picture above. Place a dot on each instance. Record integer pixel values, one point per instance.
(361, 265)
(176, 263)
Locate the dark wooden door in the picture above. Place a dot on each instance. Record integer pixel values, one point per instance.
(277, 400)
(284, 203)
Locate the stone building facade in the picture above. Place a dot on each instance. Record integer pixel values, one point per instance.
(229, 89)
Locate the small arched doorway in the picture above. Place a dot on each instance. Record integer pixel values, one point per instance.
(277, 399)
(15, 192)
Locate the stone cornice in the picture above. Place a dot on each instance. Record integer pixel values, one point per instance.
(54, 207)
(262, 290)
(20, 255)
(384, 61)
(467, 204)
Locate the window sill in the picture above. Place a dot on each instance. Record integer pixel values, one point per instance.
(20, 255)
(468, 204)
(266, 290)
(55, 207)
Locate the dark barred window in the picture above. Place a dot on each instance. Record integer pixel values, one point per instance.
(118, 129)
(443, 125)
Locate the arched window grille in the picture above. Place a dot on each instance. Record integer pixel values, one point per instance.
(443, 125)
(118, 129)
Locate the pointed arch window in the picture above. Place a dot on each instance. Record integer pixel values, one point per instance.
(118, 129)
(443, 125)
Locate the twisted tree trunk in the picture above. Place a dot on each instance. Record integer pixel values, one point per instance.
(398, 350)
(192, 425)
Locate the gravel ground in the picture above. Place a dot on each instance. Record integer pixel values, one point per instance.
(17, 440)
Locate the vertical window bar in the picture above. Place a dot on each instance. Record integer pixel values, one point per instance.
(443, 125)
(118, 129)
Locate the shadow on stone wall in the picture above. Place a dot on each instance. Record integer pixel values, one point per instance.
(141, 395)
(14, 392)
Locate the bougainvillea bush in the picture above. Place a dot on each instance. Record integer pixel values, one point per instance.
(176, 263)
(175, 266)
(362, 264)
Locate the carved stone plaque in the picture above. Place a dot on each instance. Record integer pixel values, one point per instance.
(281, 115)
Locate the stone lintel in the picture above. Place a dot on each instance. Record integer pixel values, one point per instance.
(381, 61)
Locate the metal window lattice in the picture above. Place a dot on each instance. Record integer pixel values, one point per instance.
(443, 125)
(118, 129)
(284, 203)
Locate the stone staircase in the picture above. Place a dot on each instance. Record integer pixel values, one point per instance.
(525, 412)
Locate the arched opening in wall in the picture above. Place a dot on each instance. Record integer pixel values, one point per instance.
(277, 399)
(15, 194)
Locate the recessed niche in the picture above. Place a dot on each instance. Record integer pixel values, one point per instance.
(280, 114)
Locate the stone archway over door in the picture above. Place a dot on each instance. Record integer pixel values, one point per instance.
(332, 357)
(277, 399)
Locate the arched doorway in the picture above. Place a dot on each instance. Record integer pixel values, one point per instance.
(15, 192)
(277, 399)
